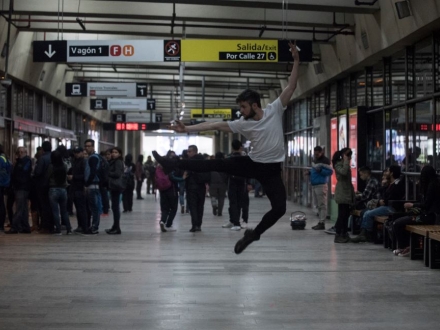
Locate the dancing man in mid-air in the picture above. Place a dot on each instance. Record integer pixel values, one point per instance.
(264, 128)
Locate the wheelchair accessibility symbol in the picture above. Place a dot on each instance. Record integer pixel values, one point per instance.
(272, 56)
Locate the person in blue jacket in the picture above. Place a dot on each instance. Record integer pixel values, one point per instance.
(319, 175)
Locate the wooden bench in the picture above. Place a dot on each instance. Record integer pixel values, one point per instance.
(419, 244)
(434, 249)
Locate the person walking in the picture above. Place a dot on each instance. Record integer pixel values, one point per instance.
(344, 193)
(116, 185)
(264, 128)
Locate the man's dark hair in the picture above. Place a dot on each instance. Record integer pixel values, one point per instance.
(317, 148)
(39, 148)
(192, 146)
(47, 146)
(89, 141)
(236, 144)
(250, 97)
(365, 169)
(396, 171)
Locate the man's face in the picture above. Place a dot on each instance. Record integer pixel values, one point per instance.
(247, 110)
(364, 175)
(21, 153)
(89, 148)
(317, 154)
(191, 152)
(79, 155)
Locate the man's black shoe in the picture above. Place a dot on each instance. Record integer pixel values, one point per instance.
(168, 164)
(248, 238)
(193, 229)
(11, 231)
(198, 228)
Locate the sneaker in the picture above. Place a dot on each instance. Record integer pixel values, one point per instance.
(94, 231)
(243, 225)
(228, 225)
(361, 238)
(171, 228)
(236, 228)
(162, 227)
(319, 226)
(198, 228)
(331, 231)
(247, 239)
(405, 253)
(342, 239)
(69, 232)
(78, 231)
(57, 233)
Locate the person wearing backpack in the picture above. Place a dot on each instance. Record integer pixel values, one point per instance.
(5, 180)
(127, 195)
(93, 166)
(116, 185)
(168, 199)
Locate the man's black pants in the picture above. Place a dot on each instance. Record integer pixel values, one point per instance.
(269, 175)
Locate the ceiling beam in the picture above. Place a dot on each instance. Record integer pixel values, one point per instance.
(177, 19)
(262, 4)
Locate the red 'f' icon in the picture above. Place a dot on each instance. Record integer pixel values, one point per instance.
(115, 50)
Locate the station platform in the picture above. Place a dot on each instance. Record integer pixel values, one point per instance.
(145, 279)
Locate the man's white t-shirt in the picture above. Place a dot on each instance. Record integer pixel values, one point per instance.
(266, 135)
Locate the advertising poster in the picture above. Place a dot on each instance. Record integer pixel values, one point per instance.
(333, 146)
(343, 139)
(353, 146)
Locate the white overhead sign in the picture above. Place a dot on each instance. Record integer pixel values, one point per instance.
(139, 118)
(111, 89)
(83, 51)
(127, 104)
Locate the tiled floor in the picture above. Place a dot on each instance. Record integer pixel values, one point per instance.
(145, 279)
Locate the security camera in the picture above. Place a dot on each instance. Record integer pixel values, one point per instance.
(6, 82)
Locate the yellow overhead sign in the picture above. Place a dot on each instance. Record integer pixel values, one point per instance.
(229, 50)
(212, 113)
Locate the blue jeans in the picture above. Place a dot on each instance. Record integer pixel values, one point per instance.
(182, 193)
(368, 219)
(94, 203)
(20, 221)
(58, 204)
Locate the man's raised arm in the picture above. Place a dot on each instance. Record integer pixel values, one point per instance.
(287, 93)
(206, 126)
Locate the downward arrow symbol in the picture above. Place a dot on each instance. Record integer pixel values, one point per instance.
(50, 53)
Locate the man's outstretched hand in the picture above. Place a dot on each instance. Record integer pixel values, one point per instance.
(179, 127)
(294, 51)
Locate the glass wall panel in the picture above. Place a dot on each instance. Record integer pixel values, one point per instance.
(321, 103)
(56, 114)
(423, 67)
(296, 115)
(303, 114)
(38, 107)
(378, 85)
(420, 137)
(395, 137)
(398, 77)
(48, 111)
(375, 146)
(2, 102)
(333, 96)
(360, 93)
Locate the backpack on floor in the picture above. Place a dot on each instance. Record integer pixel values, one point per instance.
(163, 182)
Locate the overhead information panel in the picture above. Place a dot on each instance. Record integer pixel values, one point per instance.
(217, 114)
(229, 50)
(112, 89)
(127, 104)
(83, 51)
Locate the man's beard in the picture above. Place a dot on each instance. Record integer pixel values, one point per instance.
(250, 115)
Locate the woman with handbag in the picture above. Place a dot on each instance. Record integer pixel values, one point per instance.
(429, 207)
(116, 185)
(344, 192)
